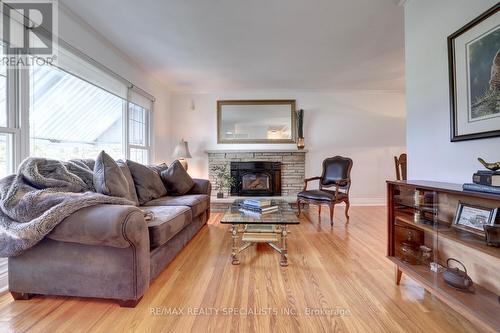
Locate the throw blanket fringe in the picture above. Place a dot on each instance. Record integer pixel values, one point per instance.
(39, 196)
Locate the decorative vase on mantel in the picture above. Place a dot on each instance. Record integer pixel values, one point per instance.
(300, 129)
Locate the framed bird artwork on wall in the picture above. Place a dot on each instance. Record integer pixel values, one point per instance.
(474, 69)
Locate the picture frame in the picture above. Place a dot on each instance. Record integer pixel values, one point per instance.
(474, 78)
(473, 218)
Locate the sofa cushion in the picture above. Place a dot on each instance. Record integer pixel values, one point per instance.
(132, 194)
(197, 202)
(108, 177)
(167, 222)
(176, 179)
(148, 184)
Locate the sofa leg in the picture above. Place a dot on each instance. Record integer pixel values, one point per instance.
(21, 296)
(129, 303)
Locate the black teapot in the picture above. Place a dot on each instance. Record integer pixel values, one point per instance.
(457, 278)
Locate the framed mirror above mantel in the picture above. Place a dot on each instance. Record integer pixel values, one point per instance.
(256, 121)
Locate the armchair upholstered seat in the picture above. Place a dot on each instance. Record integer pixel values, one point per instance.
(336, 175)
(320, 195)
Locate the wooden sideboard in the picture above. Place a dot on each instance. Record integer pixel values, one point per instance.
(421, 213)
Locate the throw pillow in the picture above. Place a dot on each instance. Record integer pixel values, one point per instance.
(176, 179)
(148, 184)
(108, 177)
(132, 194)
(159, 167)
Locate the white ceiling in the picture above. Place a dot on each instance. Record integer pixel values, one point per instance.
(213, 45)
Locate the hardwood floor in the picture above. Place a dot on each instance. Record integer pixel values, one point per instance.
(341, 270)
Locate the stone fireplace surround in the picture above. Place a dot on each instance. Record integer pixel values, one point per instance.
(293, 164)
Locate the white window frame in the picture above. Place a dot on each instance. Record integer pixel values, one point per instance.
(147, 137)
(12, 127)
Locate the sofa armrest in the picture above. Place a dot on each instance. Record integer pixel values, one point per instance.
(201, 186)
(109, 225)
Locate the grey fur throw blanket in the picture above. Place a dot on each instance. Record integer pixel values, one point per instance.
(39, 196)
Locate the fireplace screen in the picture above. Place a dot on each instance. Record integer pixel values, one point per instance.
(255, 181)
(256, 178)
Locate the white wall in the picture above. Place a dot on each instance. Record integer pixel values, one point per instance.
(83, 37)
(431, 154)
(368, 126)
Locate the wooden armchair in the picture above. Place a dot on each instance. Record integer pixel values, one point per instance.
(401, 166)
(336, 173)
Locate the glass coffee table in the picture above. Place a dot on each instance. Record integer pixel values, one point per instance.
(271, 228)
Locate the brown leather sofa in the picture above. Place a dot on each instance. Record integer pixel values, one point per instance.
(110, 251)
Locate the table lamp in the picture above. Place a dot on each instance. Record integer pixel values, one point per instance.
(181, 152)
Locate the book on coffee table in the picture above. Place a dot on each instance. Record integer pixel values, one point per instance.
(257, 203)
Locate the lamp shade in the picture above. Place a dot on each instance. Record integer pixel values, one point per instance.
(182, 150)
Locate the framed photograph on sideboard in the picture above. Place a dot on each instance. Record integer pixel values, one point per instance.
(473, 218)
(474, 70)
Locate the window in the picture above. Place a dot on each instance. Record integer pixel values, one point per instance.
(6, 154)
(3, 95)
(71, 118)
(7, 129)
(138, 124)
(7, 132)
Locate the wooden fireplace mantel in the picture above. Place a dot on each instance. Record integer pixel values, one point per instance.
(216, 151)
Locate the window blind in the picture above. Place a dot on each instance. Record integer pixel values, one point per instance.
(138, 97)
(76, 65)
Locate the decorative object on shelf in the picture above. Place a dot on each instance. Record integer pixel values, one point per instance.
(490, 166)
(223, 179)
(436, 267)
(425, 254)
(487, 178)
(457, 278)
(417, 198)
(408, 241)
(474, 69)
(181, 152)
(473, 218)
(492, 233)
(300, 129)
(417, 216)
(409, 250)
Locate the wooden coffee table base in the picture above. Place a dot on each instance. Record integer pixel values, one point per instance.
(253, 236)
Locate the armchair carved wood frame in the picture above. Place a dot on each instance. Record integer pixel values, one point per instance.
(336, 173)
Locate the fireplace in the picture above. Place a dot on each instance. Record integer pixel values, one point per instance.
(256, 178)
